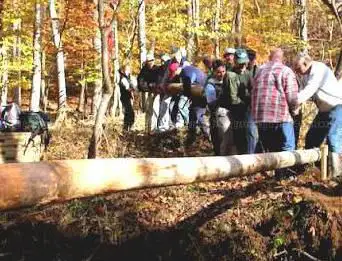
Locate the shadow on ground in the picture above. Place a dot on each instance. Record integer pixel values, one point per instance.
(201, 236)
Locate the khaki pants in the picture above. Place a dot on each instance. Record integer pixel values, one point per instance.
(164, 121)
(152, 112)
(222, 133)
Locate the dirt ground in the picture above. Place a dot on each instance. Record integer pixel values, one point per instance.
(250, 218)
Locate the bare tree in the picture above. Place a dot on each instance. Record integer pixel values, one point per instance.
(3, 60)
(62, 99)
(193, 25)
(117, 106)
(237, 23)
(107, 82)
(4, 80)
(142, 44)
(17, 51)
(216, 28)
(302, 22)
(336, 7)
(37, 62)
(97, 88)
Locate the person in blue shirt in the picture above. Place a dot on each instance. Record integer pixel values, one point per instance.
(192, 75)
(216, 95)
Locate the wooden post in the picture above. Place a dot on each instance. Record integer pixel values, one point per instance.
(324, 162)
(28, 184)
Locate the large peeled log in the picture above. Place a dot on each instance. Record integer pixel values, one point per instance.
(28, 184)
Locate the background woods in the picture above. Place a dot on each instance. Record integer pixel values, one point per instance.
(63, 57)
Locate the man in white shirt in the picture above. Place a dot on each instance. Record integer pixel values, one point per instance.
(321, 85)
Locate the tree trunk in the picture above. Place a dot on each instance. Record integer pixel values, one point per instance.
(62, 101)
(336, 7)
(3, 59)
(1, 12)
(141, 32)
(2, 52)
(237, 23)
(142, 44)
(85, 104)
(37, 62)
(97, 85)
(31, 184)
(216, 28)
(303, 23)
(192, 25)
(257, 7)
(338, 70)
(117, 106)
(17, 54)
(44, 87)
(4, 80)
(96, 100)
(107, 85)
(82, 82)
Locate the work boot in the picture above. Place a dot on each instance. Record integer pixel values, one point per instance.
(335, 166)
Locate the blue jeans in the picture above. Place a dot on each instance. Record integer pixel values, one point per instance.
(196, 118)
(276, 137)
(252, 134)
(179, 107)
(326, 125)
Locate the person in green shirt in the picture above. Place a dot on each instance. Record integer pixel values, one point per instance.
(229, 58)
(239, 85)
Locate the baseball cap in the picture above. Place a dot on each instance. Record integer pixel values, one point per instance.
(241, 56)
(173, 67)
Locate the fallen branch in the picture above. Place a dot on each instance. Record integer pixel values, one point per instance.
(306, 254)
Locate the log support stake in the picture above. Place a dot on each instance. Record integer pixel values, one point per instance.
(324, 162)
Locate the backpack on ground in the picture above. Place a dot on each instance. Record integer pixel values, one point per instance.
(37, 124)
(10, 117)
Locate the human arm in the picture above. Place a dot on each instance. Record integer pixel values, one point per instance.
(311, 86)
(290, 85)
(210, 95)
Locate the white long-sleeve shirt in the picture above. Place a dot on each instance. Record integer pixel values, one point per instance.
(322, 85)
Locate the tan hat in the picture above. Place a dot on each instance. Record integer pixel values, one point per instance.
(149, 57)
(229, 51)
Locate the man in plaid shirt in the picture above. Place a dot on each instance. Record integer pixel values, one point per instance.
(274, 97)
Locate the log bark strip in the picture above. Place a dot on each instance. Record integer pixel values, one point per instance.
(28, 184)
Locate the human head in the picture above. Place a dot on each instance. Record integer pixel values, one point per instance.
(174, 70)
(164, 58)
(228, 55)
(276, 55)
(302, 63)
(126, 69)
(149, 60)
(252, 57)
(176, 54)
(241, 58)
(219, 69)
(208, 62)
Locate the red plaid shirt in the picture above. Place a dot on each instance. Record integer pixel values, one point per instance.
(274, 93)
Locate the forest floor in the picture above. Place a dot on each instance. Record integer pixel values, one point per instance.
(247, 218)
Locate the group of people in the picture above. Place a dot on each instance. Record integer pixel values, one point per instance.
(251, 108)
